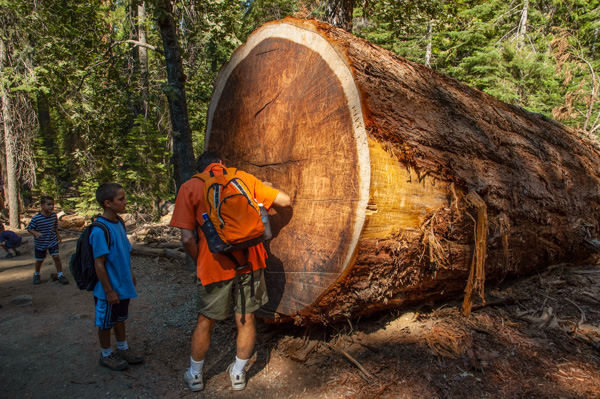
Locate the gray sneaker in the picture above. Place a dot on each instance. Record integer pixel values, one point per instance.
(194, 381)
(238, 381)
(37, 279)
(113, 362)
(63, 280)
(130, 356)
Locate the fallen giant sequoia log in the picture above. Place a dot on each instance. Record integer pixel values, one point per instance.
(407, 186)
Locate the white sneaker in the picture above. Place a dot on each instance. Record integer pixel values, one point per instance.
(238, 381)
(194, 381)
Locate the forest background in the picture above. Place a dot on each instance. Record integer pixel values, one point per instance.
(100, 90)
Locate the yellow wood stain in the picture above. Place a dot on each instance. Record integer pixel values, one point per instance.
(398, 200)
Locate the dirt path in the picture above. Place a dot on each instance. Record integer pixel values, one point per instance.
(49, 348)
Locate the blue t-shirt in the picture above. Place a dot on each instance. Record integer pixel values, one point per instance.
(118, 259)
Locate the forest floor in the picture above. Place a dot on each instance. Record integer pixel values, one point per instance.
(538, 337)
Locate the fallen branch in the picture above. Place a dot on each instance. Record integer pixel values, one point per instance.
(582, 313)
(164, 253)
(590, 296)
(352, 360)
(499, 302)
(170, 245)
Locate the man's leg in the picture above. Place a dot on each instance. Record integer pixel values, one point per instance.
(246, 335)
(245, 345)
(200, 343)
(201, 337)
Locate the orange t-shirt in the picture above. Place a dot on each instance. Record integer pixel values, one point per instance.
(189, 207)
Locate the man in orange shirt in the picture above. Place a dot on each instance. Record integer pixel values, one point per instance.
(216, 273)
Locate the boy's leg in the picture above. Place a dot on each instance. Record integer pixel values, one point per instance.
(120, 333)
(121, 311)
(57, 263)
(39, 255)
(104, 338)
(38, 266)
(105, 321)
(37, 279)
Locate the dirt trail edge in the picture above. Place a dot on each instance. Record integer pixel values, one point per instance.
(539, 337)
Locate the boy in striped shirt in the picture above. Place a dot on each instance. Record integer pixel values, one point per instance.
(44, 228)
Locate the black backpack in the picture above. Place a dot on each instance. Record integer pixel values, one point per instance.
(82, 264)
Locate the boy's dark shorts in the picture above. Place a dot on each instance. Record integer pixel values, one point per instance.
(40, 254)
(216, 300)
(107, 315)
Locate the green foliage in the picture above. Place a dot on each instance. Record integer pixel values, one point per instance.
(108, 117)
(484, 44)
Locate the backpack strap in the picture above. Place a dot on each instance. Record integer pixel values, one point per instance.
(120, 219)
(238, 283)
(202, 176)
(104, 229)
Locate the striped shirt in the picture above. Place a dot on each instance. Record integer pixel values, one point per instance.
(46, 225)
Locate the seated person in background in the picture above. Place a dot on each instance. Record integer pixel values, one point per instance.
(10, 240)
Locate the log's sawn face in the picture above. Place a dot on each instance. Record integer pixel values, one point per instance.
(282, 114)
(384, 220)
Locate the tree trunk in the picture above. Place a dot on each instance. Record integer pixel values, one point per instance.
(429, 39)
(522, 28)
(12, 185)
(407, 186)
(183, 151)
(339, 13)
(143, 53)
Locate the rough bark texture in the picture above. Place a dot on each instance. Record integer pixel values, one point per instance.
(12, 184)
(183, 152)
(446, 186)
(339, 13)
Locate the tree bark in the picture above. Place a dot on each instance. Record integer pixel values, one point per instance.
(429, 39)
(183, 152)
(407, 186)
(12, 185)
(143, 52)
(522, 28)
(339, 13)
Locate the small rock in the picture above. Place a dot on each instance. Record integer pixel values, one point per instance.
(22, 300)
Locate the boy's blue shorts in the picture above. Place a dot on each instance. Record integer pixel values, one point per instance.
(107, 315)
(40, 254)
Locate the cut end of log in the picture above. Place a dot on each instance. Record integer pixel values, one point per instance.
(377, 154)
(286, 109)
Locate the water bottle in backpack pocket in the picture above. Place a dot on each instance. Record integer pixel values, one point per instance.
(264, 216)
(215, 243)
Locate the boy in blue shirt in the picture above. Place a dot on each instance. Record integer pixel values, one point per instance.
(44, 228)
(9, 240)
(116, 282)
